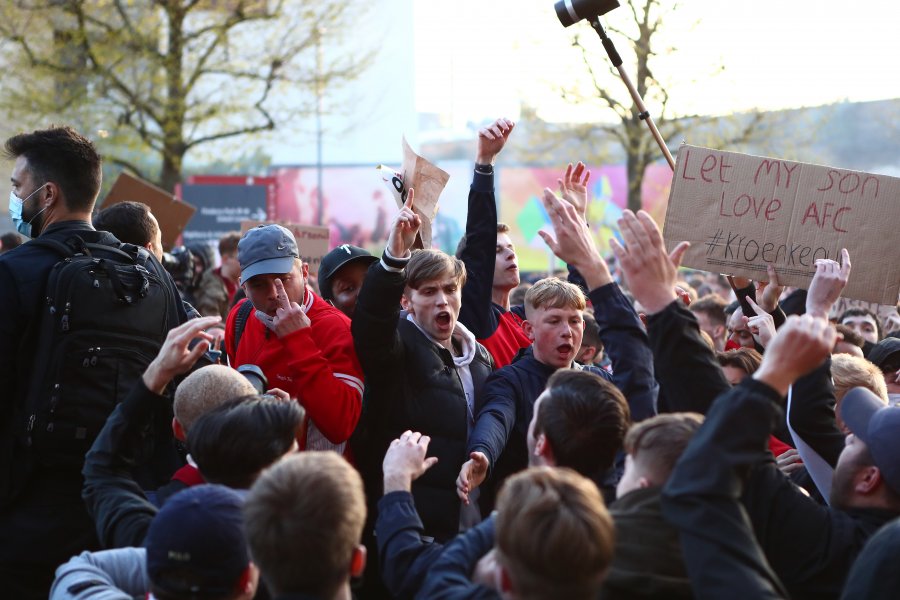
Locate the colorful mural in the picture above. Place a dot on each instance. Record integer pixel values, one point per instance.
(358, 208)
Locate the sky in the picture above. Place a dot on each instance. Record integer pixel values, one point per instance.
(476, 59)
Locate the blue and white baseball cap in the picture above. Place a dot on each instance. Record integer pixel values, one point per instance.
(267, 249)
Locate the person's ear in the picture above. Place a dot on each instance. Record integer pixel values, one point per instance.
(719, 331)
(304, 270)
(643, 483)
(543, 449)
(868, 480)
(358, 561)
(590, 352)
(528, 328)
(178, 430)
(404, 303)
(51, 194)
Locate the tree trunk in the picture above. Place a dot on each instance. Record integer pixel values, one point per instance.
(171, 170)
(635, 175)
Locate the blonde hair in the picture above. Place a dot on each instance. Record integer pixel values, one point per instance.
(553, 292)
(850, 371)
(554, 535)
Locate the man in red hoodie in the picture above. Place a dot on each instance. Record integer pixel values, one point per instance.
(301, 343)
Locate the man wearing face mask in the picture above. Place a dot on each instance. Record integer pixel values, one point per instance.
(55, 182)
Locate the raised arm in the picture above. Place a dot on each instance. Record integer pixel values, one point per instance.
(689, 375)
(113, 498)
(702, 497)
(374, 324)
(621, 331)
(480, 248)
(404, 556)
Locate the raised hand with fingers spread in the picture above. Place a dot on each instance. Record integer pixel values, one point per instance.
(574, 188)
(574, 243)
(650, 271)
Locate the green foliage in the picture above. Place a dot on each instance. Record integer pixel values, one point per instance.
(162, 77)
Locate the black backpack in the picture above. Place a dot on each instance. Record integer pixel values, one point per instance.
(104, 317)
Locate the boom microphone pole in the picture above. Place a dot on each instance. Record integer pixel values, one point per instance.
(570, 12)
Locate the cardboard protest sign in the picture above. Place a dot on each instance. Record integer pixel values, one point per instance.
(312, 241)
(742, 212)
(427, 179)
(172, 214)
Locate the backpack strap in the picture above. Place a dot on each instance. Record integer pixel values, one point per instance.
(240, 321)
(63, 249)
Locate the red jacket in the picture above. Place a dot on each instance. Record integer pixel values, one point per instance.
(507, 339)
(317, 365)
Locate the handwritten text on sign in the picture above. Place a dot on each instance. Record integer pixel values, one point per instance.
(742, 212)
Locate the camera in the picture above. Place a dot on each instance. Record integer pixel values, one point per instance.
(180, 265)
(570, 12)
(255, 376)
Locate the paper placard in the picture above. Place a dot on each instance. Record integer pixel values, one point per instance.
(312, 241)
(172, 214)
(742, 212)
(428, 181)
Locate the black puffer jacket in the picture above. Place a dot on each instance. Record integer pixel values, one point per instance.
(411, 383)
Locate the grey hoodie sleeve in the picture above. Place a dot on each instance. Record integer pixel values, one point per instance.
(119, 574)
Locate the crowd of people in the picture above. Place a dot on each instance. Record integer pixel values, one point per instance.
(417, 424)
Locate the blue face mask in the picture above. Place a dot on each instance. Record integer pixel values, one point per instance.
(16, 205)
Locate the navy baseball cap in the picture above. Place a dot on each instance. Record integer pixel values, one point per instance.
(195, 544)
(267, 249)
(884, 350)
(878, 425)
(336, 259)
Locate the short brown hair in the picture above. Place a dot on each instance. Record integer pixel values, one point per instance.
(502, 228)
(553, 292)
(657, 443)
(554, 536)
(304, 518)
(584, 418)
(228, 243)
(711, 305)
(428, 265)
(747, 359)
(849, 372)
(65, 157)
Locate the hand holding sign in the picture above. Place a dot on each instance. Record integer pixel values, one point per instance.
(649, 271)
(404, 229)
(769, 292)
(289, 316)
(827, 284)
